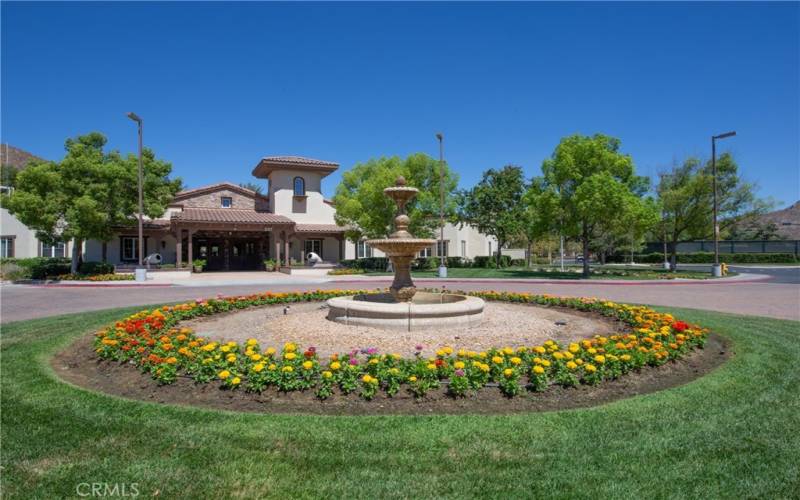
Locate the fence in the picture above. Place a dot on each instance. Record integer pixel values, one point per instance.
(732, 246)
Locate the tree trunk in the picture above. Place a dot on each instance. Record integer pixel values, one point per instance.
(528, 256)
(673, 255)
(105, 252)
(603, 257)
(499, 251)
(76, 256)
(585, 242)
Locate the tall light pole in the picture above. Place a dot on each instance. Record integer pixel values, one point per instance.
(442, 266)
(716, 269)
(140, 271)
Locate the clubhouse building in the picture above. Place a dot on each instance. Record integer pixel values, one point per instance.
(233, 228)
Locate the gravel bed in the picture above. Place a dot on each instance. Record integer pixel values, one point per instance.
(503, 325)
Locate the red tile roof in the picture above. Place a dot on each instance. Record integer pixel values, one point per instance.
(229, 215)
(319, 228)
(271, 163)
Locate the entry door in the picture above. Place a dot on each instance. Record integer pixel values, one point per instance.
(313, 246)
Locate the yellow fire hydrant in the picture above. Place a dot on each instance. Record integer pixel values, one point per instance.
(724, 269)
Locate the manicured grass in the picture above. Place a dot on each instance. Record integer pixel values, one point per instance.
(605, 273)
(731, 434)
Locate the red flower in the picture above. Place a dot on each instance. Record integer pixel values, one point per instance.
(439, 362)
(679, 326)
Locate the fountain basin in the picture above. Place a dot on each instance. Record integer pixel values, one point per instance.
(425, 310)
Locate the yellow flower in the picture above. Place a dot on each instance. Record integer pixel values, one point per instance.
(447, 350)
(270, 351)
(625, 357)
(368, 379)
(571, 365)
(579, 361)
(230, 358)
(497, 360)
(287, 369)
(209, 347)
(600, 359)
(462, 353)
(412, 379)
(482, 355)
(539, 349)
(508, 372)
(568, 355)
(290, 356)
(590, 368)
(225, 348)
(558, 355)
(308, 365)
(485, 368)
(431, 366)
(545, 362)
(258, 367)
(592, 350)
(538, 370)
(373, 361)
(508, 351)
(236, 381)
(335, 365)
(573, 348)
(441, 353)
(458, 365)
(256, 357)
(289, 347)
(515, 360)
(272, 367)
(327, 374)
(224, 374)
(252, 342)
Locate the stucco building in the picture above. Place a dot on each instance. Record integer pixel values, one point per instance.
(234, 228)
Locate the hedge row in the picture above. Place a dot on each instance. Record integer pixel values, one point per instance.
(431, 263)
(708, 258)
(39, 268)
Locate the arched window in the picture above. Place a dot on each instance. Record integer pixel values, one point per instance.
(299, 186)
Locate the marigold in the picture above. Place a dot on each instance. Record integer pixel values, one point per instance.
(538, 370)
(236, 381)
(290, 356)
(600, 359)
(308, 365)
(508, 372)
(327, 374)
(458, 365)
(590, 368)
(258, 367)
(412, 379)
(224, 374)
(516, 361)
(287, 369)
(571, 365)
(335, 365)
(171, 360)
(497, 360)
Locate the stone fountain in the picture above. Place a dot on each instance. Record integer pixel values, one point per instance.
(404, 308)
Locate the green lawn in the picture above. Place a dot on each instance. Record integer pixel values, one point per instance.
(731, 434)
(605, 273)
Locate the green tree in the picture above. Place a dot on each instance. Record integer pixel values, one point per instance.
(685, 194)
(362, 207)
(90, 193)
(494, 206)
(595, 185)
(540, 215)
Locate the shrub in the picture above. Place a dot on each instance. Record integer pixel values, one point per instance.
(39, 268)
(91, 268)
(708, 258)
(345, 271)
(483, 261)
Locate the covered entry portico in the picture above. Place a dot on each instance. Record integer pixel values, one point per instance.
(230, 240)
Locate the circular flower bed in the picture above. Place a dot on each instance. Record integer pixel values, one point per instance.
(154, 341)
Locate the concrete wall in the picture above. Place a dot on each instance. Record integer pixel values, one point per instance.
(311, 209)
(156, 243)
(26, 244)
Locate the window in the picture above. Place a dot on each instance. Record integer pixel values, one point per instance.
(299, 186)
(463, 248)
(130, 248)
(7, 247)
(363, 250)
(227, 202)
(57, 250)
(426, 252)
(313, 246)
(441, 248)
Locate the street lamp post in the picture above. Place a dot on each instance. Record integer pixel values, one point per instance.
(442, 266)
(716, 269)
(141, 273)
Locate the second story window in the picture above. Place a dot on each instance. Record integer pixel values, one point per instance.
(227, 202)
(299, 186)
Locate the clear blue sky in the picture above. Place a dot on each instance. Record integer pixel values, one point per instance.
(221, 85)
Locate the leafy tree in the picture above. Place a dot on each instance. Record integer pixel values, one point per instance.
(8, 175)
(494, 206)
(90, 193)
(686, 197)
(252, 186)
(367, 212)
(540, 217)
(595, 185)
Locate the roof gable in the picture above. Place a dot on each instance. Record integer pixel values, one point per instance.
(269, 164)
(212, 188)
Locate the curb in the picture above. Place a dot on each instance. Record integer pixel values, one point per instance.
(535, 281)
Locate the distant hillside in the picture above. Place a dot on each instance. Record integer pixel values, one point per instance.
(787, 221)
(15, 157)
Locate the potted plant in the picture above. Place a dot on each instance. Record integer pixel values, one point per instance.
(198, 265)
(269, 265)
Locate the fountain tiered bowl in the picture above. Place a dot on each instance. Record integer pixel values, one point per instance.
(403, 308)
